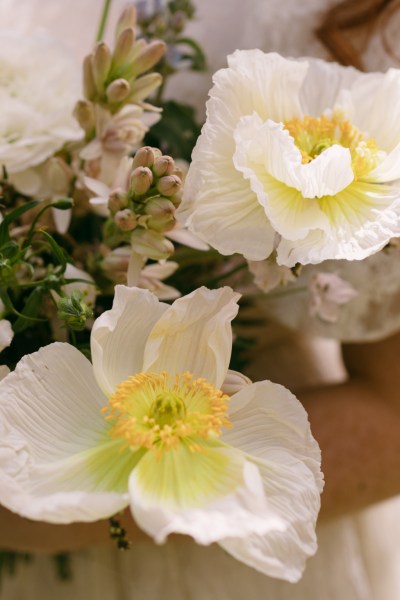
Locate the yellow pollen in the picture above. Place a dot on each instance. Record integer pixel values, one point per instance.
(158, 412)
(313, 135)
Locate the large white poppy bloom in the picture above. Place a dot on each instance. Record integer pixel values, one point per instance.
(148, 426)
(302, 149)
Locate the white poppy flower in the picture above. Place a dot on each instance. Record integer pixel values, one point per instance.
(302, 149)
(40, 83)
(148, 426)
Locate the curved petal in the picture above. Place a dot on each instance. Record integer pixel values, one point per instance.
(6, 334)
(363, 218)
(218, 204)
(194, 334)
(388, 170)
(51, 425)
(119, 335)
(211, 495)
(271, 427)
(234, 381)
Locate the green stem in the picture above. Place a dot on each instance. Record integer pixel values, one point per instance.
(103, 20)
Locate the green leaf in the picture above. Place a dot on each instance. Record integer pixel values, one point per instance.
(30, 311)
(197, 57)
(12, 216)
(58, 252)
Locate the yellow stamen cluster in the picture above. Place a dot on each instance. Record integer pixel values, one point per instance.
(313, 135)
(157, 412)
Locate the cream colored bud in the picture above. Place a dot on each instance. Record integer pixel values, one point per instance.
(141, 180)
(127, 19)
(161, 212)
(125, 47)
(84, 114)
(117, 200)
(144, 157)
(169, 185)
(151, 244)
(59, 176)
(144, 86)
(147, 57)
(164, 165)
(101, 65)
(125, 219)
(89, 87)
(118, 90)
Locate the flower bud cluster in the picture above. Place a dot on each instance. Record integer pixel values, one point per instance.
(119, 77)
(146, 208)
(74, 311)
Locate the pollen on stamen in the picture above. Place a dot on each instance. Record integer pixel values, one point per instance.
(158, 412)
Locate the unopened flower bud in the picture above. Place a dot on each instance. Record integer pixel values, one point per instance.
(178, 21)
(84, 114)
(147, 57)
(161, 214)
(117, 200)
(169, 185)
(127, 19)
(89, 87)
(74, 311)
(63, 203)
(144, 157)
(58, 175)
(101, 65)
(125, 47)
(144, 86)
(151, 244)
(125, 219)
(164, 165)
(118, 90)
(141, 180)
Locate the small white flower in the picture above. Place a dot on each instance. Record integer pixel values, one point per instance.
(328, 293)
(39, 85)
(149, 426)
(269, 275)
(305, 149)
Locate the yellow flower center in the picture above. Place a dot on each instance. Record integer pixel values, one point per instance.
(313, 135)
(158, 412)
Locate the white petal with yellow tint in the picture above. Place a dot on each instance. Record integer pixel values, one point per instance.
(194, 334)
(210, 495)
(51, 425)
(271, 427)
(363, 218)
(119, 335)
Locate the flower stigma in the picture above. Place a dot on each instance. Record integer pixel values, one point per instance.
(313, 135)
(155, 411)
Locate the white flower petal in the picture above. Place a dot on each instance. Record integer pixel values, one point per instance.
(50, 419)
(4, 370)
(233, 382)
(98, 187)
(194, 335)
(6, 334)
(271, 426)
(119, 336)
(388, 170)
(211, 495)
(62, 219)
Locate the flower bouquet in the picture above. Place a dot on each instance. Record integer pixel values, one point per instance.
(112, 396)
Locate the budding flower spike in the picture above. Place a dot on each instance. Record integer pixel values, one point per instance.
(160, 424)
(300, 157)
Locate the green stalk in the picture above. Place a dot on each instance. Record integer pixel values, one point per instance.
(103, 20)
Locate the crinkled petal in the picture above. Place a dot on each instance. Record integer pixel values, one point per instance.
(194, 334)
(363, 218)
(271, 427)
(119, 335)
(210, 495)
(51, 424)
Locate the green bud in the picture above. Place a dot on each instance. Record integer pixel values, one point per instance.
(141, 180)
(118, 90)
(164, 165)
(148, 56)
(74, 311)
(63, 203)
(101, 65)
(84, 114)
(89, 87)
(125, 219)
(151, 244)
(127, 19)
(169, 185)
(144, 86)
(125, 48)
